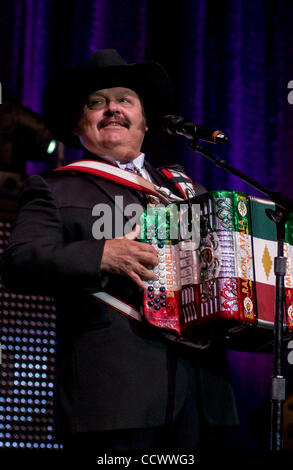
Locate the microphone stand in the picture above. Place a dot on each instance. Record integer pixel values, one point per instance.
(280, 215)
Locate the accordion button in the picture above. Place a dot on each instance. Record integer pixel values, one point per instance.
(163, 304)
(157, 299)
(151, 296)
(157, 307)
(150, 288)
(163, 296)
(150, 303)
(162, 289)
(161, 245)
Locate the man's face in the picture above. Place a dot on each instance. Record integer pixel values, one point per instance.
(113, 123)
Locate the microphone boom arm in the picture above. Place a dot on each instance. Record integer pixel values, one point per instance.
(278, 198)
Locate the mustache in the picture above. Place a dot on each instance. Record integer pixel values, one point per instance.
(115, 118)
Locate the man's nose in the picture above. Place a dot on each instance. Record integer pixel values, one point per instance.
(112, 107)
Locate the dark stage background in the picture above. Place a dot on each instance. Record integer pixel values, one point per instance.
(230, 63)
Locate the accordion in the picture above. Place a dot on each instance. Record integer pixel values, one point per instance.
(225, 282)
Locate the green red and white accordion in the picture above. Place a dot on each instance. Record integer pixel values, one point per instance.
(229, 278)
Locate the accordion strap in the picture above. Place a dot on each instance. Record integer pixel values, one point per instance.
(117, 175)
(118, 305)
(181, 181)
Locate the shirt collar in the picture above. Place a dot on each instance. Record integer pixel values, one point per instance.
(138, 162)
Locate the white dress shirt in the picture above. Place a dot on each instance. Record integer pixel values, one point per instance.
(137, 163)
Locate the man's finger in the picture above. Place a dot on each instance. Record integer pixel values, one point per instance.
(135, 277)
(148, 258)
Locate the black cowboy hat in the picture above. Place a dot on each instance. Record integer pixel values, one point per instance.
(66, 94)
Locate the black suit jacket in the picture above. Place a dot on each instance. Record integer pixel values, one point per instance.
(111, 372)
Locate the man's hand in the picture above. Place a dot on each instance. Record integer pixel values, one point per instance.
(131, 258)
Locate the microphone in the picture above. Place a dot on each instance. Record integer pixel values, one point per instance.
(178, 126)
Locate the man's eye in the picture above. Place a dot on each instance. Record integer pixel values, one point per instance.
(95, 103)
(124, 100)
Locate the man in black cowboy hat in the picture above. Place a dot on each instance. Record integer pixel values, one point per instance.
(120, 384)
